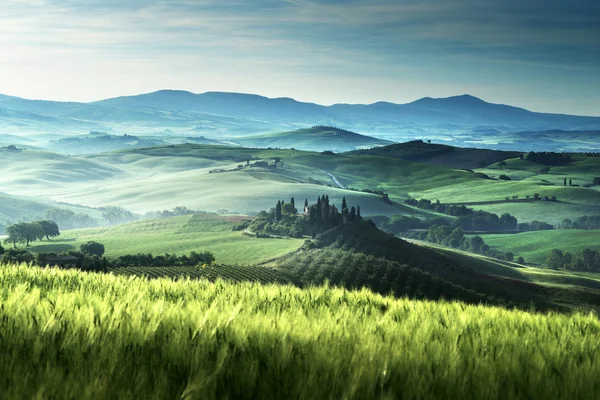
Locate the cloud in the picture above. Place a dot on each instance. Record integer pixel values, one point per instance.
(471, 43)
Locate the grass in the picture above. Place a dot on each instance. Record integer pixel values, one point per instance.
(78, 335)
(534, 246)
(570, 289)
(178, 235)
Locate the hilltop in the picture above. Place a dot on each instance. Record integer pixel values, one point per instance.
(317, 138)
(438, 154)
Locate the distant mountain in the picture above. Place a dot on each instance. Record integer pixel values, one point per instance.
(221, 114)
(438, 154)
(220, 103)
(463, 109)
(317, 138)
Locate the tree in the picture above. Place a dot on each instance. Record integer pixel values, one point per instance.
(521, 261)
(475, 243)
(565, 183)
(30, 232)
(536, 196)
(358, 213)
(344, 205)
(288, 209)
(570, 182)
(353, 214)
(508, 256)
(118, 215)
(1, 250)
(92, 248)
(293, 202)
(15, 235)
(50, 229)
(555, 259)
(305, 202)
(278, 211)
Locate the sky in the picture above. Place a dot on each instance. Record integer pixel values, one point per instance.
(543, 55)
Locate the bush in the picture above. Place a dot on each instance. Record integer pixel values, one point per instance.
(240, 226)
(92, 248)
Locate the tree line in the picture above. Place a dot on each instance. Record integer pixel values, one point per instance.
(584, 222)
(582, 260)
(469, 219)
(89, 257)
(28, 232)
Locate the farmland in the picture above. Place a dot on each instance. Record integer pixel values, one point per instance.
(179, 235)
(197, 339)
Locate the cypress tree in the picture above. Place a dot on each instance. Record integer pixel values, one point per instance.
(293, 202)
(344, 205)
(358, 217)
(278, 211)
(353, 214)
(305, 202)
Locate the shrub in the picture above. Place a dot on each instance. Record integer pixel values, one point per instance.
(92, 248)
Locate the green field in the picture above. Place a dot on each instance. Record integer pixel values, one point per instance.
(178, 235)
(534, 246)
(86, 336)
(159, 178)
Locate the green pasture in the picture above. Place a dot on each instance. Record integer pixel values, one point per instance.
(178, 235)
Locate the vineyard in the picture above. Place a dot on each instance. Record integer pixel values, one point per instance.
(69, 334)
(210, 272)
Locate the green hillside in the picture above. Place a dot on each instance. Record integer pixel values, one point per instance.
(534, 246)
(18, 208)
(159, 178)
(526, 179)
(178, 235)
(318, 138)
(437, 154)
(87, 336)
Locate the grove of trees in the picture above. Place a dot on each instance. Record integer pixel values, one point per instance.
(582, 260)
(28, 232)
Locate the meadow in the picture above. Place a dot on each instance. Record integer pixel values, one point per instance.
(534, 246)
(81, 335)
(177, 235)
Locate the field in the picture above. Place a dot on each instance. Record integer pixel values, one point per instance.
(568, 288)
(534, 246)
(178, 235)
(79, 335)
(526, 180)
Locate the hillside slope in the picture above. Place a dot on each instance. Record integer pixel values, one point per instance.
(438, 154)
(317, 138)
(448, 274)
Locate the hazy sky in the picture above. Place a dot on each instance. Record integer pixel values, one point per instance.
(540, 54)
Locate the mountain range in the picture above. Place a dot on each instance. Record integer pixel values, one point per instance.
(172, 106)
(172, 115)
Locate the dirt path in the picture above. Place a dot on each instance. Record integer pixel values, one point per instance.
(335, 180)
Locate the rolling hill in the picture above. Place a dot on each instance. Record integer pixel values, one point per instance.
(438, 154)
(317, 138)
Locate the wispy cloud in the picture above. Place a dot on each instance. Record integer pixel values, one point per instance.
(468, 44)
